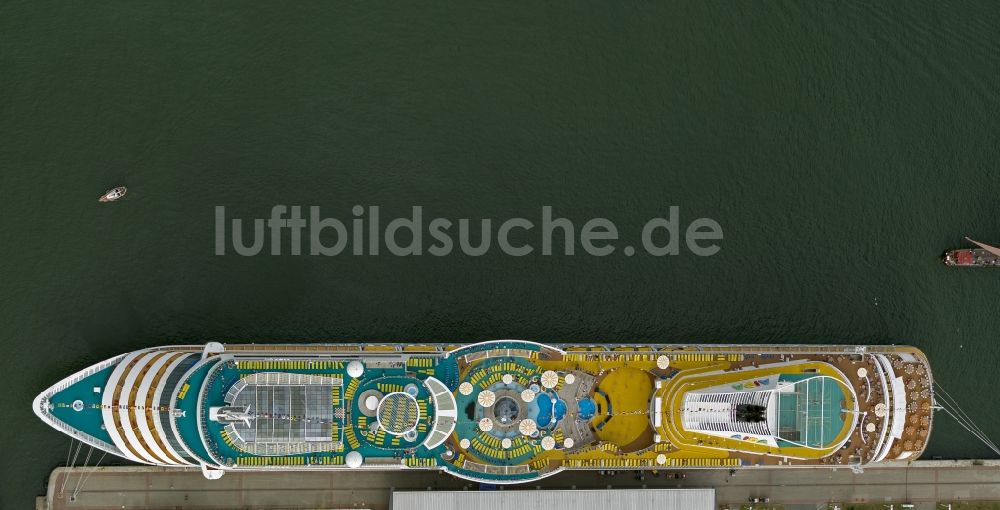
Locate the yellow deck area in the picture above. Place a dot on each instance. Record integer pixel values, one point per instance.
(629, 390)
(698, 443)
(628, 386)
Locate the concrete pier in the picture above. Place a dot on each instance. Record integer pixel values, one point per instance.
(922, 483)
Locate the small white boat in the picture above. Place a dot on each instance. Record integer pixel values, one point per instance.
(113, 194)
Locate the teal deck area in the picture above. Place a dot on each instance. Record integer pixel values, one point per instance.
(486, 375)
(227, 376)
(90, 419)
(813, 414)
(380, 445)
(445, 370)
(351, 429)
(383, 443)
(502, 344)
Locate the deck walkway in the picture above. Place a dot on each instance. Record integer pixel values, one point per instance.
(923, 483)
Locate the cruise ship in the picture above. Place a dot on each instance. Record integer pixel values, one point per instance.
(505, 411)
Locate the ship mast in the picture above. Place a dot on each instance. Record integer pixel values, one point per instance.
(992, 249)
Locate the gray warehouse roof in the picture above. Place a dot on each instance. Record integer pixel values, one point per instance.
(614, 499)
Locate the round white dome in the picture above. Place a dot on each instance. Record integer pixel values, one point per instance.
(371, 402)
(354, 459)
(355, 369)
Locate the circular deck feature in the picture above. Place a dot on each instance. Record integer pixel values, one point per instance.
(368, 402)
(550, 379)
(465, 388)
(880, 410)
(398, 413)
(527, 427)
(354, 460)
(506, 410)
(355, 369)
(548, 443)
(486, 424)
(486, 398)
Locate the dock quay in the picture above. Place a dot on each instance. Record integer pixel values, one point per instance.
(924, 484)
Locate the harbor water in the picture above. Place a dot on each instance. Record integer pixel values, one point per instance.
(840, 148)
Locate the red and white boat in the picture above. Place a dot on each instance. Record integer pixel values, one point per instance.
(984, 256)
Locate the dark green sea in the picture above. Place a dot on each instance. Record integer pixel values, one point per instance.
(841, 146)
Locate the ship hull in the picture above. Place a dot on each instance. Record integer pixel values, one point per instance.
(971, 257)
(507, 411)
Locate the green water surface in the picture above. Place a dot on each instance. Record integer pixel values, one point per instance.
(841, 146)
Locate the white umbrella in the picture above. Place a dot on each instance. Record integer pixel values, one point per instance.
(464, 443)
(505, 443)
(527, 395)
(548, 443)
(880, 410)
(527, 427)
(570, 378)
(486, 398)
(550, 379)
(507, 378)
(486, 424)
(662, 362)
(661, 459)
(568, 442)
(465, 388)
(870, 427)
(862, 372)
